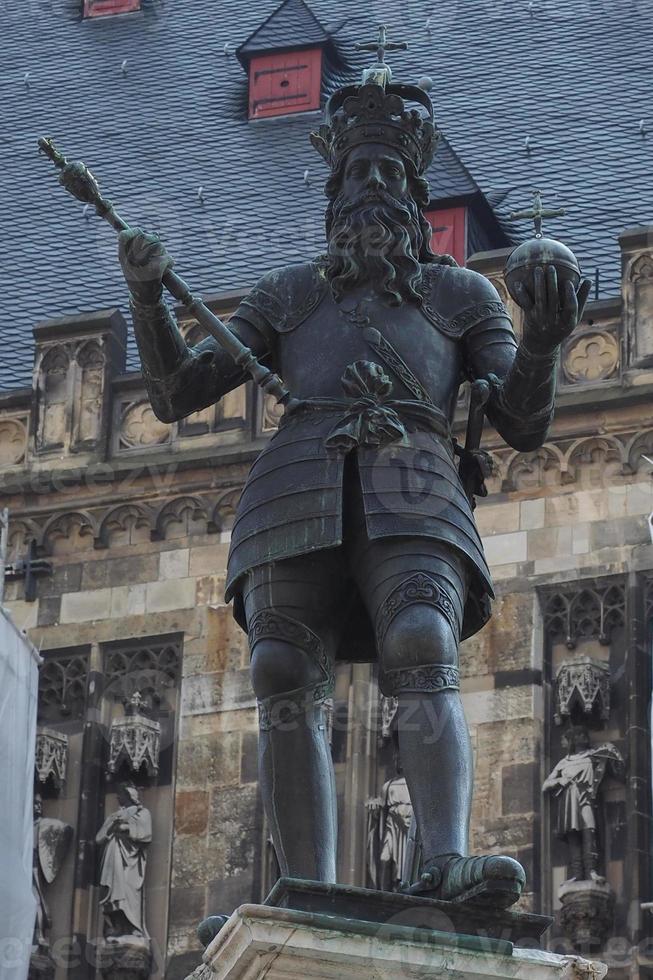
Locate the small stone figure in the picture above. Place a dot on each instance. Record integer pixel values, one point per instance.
(576, 781)
(389, 818)
(51, 843)
(125, 836)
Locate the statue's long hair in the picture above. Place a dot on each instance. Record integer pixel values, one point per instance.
(382, 240)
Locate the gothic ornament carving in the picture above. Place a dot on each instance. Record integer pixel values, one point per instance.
(51, 757)
(62, 687)
(530, 471)
(639, 309)
(188, 513)
(592, 357)
(583, 684)
(122, 524)
(223, 513)
(53, 397)
(13, 441)
(575, 613)
(68, 533)
(134, 740)
(149, 670)
(88, 404)
(140, 428)
(586, 913)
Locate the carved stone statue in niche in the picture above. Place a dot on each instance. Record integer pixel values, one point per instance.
(389, 820)
(576, 781)
(52, 840)
(125, 836)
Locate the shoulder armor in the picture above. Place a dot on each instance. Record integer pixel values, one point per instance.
(454, 312)
(285, 297)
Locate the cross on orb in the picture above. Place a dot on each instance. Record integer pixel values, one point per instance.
(537, 213)
(382, 45)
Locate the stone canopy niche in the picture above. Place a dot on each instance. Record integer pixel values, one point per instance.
(586, 767)
(582, 690)
(51, 758)
(75, 358)
(134, 740)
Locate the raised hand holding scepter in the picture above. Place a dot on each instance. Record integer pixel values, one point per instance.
(147, 267)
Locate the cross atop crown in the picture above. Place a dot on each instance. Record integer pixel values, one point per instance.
(380, 74)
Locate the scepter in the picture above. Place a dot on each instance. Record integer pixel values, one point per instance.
(78, 180)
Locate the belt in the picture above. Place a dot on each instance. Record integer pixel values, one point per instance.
(369, 417)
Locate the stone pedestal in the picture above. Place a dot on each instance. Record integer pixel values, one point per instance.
(125, 958)
(587, 913)
(329, 932)
(279, 944)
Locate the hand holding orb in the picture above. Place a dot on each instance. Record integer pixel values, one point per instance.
(544, 279)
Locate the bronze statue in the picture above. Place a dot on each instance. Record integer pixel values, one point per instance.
(354, 536)
(575, 782)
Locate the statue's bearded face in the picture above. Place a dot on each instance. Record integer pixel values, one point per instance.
(374, 225)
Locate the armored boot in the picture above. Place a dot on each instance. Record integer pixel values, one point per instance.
(493, 880)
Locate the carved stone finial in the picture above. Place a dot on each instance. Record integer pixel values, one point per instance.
(135, 739)
(582, 684)
(51, 757)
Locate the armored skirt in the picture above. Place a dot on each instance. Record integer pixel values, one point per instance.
(292, 505)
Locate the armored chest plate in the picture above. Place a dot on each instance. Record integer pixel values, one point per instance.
(313, 356)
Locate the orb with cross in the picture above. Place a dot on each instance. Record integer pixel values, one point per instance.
(540, 252)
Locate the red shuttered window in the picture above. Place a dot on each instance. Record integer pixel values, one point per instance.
(105, 8)
(284, 83)
(449, 232)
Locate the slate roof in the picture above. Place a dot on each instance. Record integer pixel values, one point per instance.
(573, 75)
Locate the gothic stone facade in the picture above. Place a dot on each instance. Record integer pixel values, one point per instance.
(122, 591)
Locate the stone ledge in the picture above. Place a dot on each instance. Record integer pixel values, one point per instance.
(280, 944)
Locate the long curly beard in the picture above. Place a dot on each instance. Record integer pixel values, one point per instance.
(377, 239)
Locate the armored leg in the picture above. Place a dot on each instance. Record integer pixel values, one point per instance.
(295, 768)
(417, 601)
(292, 676)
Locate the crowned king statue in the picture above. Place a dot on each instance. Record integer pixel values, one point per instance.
(354, 537)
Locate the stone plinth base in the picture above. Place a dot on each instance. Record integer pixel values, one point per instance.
(370, 905)
(279, 944)
(587, 912)
(125, 958)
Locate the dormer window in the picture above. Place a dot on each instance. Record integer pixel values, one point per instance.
(108, 8)
(449, 232)
(283, 59)
(284, 83)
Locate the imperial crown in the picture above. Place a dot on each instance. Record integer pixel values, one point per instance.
(375, 112)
